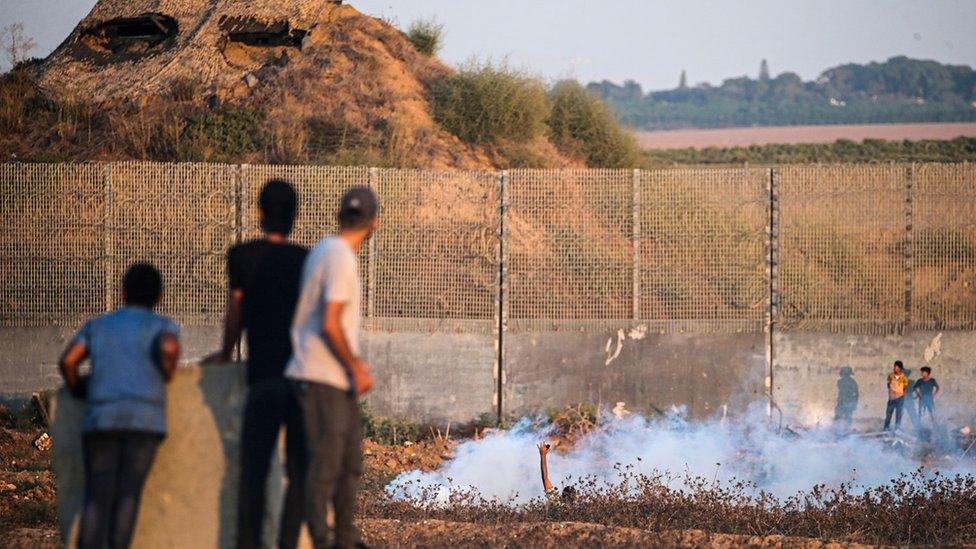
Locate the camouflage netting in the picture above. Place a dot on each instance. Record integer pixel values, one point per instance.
(867, 249)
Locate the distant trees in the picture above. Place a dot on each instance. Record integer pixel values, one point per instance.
(898, 90)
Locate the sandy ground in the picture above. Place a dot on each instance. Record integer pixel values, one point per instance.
(740, 137)
(434, 533)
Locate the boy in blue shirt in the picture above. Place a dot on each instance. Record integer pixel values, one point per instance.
(133, 353)
(925, 391)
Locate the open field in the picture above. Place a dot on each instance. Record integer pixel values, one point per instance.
(741, 137)
(641, 511)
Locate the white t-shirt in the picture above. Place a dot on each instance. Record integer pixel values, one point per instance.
(330, 274)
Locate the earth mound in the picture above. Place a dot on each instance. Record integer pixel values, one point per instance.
(301, 81)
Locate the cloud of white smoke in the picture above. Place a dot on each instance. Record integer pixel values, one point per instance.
(505, 465)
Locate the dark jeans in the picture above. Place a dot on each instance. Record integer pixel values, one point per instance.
(116, 466)
(335, 461)
(270, 404)
(926, 405)
(895, 405)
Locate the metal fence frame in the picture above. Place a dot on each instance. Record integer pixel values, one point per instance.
(920, 216)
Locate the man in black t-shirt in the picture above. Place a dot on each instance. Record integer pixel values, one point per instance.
(264, 279)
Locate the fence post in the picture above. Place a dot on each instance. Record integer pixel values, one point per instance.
(909, 252)
(772, 272)
(239, 203)
(637, 246)
(374, 174)
(502, 295)
(109, 266)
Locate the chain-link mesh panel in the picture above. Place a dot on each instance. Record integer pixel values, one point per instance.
(703, 247)
(437, 247)
(570, 245)
(181, 218)
(848, 260)
(944, 247)
(52, 243)
(319, 189)
(843, 246)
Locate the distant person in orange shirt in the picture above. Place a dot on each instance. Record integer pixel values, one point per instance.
(897, 385)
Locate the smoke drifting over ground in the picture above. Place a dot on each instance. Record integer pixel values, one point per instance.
(504, 466)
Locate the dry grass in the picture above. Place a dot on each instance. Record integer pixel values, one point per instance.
(358, 92)
(921, 508)
(915, 509)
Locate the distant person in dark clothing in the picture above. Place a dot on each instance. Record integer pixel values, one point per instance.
(910, 406)
(848, 396)
(926, 389)
(897, 385)
(264, 277)
(133, 353)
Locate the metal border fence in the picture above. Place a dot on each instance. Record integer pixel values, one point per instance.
(853, 248)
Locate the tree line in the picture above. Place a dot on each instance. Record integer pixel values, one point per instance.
(899, 90)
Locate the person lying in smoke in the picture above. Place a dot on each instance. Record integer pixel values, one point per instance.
(568, 493)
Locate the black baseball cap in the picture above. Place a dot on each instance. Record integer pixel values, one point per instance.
(358, 204)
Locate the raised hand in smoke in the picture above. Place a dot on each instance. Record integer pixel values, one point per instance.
(544, 448)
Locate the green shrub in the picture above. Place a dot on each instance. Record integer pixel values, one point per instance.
(427, 35)
(382, 430)
(582, 125)
(486, 103)
(222, 136)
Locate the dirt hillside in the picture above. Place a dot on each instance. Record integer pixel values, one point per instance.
(302, 81)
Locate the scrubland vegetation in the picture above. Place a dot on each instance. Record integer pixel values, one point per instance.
(962, 149)
(918, 509)
(427, 35)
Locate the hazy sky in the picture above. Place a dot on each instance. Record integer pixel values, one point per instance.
(650, 41)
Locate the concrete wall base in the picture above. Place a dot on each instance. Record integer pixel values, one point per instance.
(709, 374)
(808, 365)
